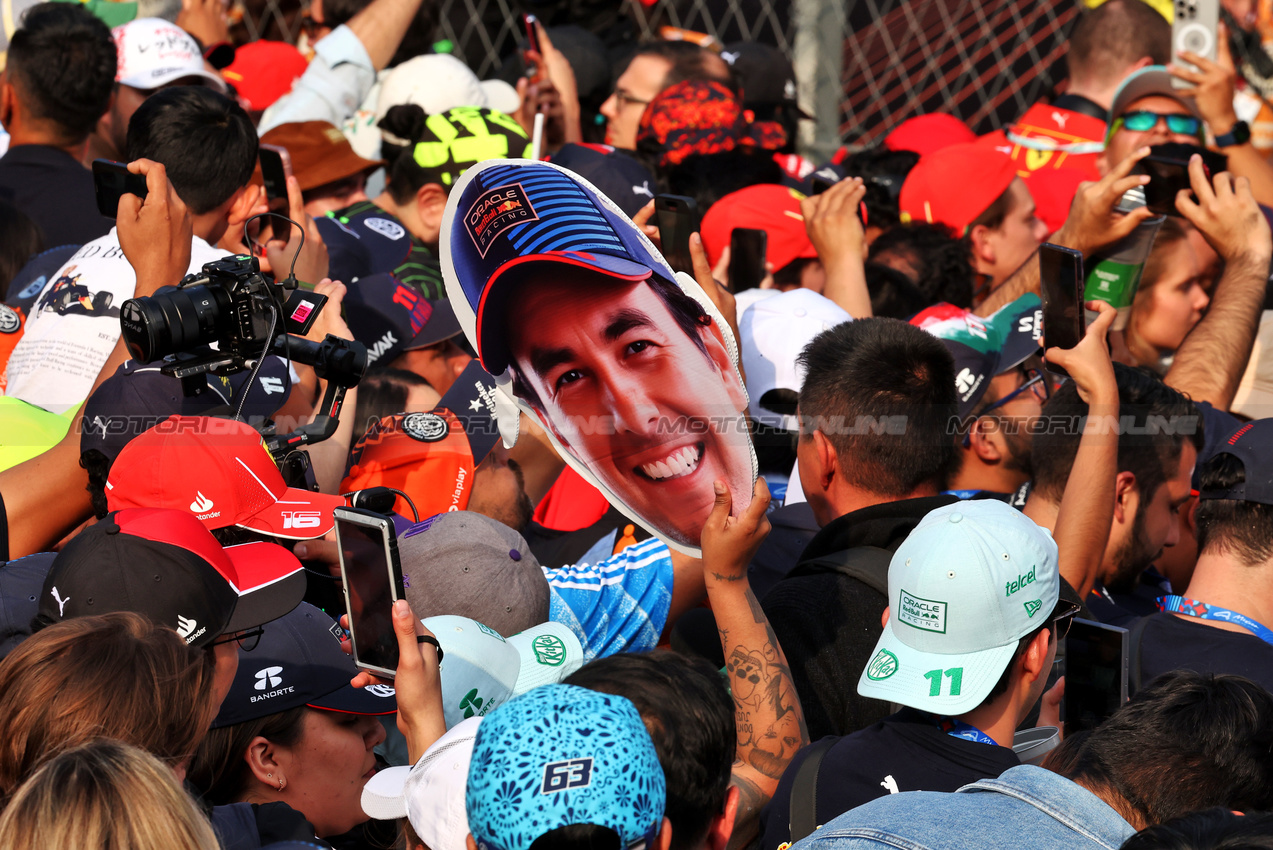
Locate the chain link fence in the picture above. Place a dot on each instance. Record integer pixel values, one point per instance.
(863, 66)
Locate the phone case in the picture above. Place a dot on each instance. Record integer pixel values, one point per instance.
(1194, 30)
(398, 585)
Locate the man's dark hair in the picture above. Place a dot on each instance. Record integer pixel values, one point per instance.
(1156, 420)
(62, 60)
(709, 177)
(689, 62)
(1186, 742)
(204, 140)
(1230, 526)
(688, 314)
(882, 172)
(941, 262)
(383, 392)
(1117, 34)
(1213, 829)
(883, 392)
(893, 294)
(690, 717)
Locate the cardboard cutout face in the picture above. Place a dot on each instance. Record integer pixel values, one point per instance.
(628, 366)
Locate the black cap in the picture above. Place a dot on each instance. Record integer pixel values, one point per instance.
(390, 317)
(765, 73)
(1250, 444)
(299, 662)
(138, 397)
(472, 399)
(21, 583)
(619, 177)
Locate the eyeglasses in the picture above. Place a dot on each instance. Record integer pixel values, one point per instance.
(1142, 121)
(1035, 380)
(624, 99)
(1062, 616)
(247, 640)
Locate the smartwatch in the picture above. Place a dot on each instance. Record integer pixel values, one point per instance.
(1240, 134)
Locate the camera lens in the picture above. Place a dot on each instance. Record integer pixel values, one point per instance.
(172, 320)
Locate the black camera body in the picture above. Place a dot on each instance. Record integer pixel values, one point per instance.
(230, 303)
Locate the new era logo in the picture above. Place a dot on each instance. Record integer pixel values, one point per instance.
(1032, 607)
(268, 678)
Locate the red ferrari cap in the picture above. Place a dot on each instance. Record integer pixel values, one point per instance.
(769, 207)
(220, 471)
(925, 134)
(954, 185)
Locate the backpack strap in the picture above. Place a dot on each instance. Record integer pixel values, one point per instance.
(804, 790)
(867, 564)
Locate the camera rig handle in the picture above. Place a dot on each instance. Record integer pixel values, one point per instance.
(342, 363)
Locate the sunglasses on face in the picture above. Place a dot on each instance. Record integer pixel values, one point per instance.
(1142, 121)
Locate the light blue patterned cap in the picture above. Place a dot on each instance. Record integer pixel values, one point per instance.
(561, 755)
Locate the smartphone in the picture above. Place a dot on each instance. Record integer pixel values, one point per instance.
(111, 181)
(746, 258)
(534, 72)
(371, 575)
(1193, 29)
(276, 167)
(820, 185)
(1096, 673)
(677, 218)
(1061, 284)
(1168, 168)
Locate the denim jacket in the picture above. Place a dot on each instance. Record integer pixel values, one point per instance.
(1027, 807)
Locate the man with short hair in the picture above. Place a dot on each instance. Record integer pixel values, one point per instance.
(56, 85)
(652, 68)
(975, 191)
(154, 54)
(1161, 433)
(974, 620)
(874, 454)
(1187, 742)
(75, 323)
(1108, 43)
(1220, 622)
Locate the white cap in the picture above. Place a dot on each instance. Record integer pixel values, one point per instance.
(437, 82)
(774, 331)
(153, 52)
(481, 670)
(431, 794)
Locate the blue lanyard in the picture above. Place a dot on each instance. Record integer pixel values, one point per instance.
(1203, 611)
(959, 729)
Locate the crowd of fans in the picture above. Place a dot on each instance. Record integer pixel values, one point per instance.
(867, 650)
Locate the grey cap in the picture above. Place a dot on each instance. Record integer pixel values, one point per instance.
(1153, 80)
(470, 565)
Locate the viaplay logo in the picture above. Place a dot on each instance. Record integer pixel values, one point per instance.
(494, 212)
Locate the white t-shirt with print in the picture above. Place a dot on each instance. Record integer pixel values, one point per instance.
(74, 324)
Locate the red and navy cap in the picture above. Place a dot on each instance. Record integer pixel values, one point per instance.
(390, 317)
(297, 662)
(1249, 444)
(511, 216)
(165, 565)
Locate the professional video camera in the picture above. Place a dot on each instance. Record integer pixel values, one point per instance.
(230, 317)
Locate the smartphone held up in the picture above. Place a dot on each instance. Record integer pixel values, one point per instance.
(371, 574)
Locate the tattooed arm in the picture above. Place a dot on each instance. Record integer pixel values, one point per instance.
(767, 711)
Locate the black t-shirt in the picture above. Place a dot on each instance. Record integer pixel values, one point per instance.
(364, 239)
(1170, 643)
(903, 752)
(55, 192)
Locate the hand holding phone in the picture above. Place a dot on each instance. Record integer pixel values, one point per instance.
(677, 218)
(1168, 168)
(276, 167)
(1194, 29)
(533, 53)
(1061, 286)
(111, 181)
(371, 575)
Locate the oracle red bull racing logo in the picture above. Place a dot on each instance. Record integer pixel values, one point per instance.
(496, 211)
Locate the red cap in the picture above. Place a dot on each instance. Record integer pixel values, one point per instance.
(925, 134)
(263, 71)
(1053, 190)
(769, 207)
(220, 471)
(425, 455)
(955, 185)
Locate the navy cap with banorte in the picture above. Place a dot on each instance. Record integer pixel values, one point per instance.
(513, 216)
(1250, 445)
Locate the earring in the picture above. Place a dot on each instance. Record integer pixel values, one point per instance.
(281, 782)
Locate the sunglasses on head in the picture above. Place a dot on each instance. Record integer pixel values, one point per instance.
(1142, 121)
(1062, 617)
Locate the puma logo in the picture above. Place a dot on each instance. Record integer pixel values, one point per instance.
(61, 603)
